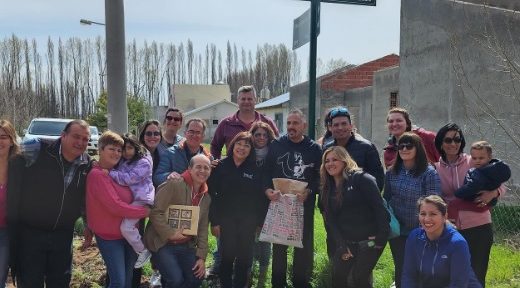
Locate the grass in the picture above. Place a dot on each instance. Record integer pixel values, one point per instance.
(504, 266)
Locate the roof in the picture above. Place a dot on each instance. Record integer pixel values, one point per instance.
(278, 100)
(209, 106)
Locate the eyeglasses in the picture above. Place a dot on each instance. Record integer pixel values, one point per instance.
(408, 146)
(449, 140)
(340, 111)
(170, 118)
(152, 133)
(193, 132)
(260, 135)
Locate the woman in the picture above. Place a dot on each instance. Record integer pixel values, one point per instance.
(11, 165)
(475, 226)
(107, 204)
(151, 137)
(181, 258)
(355, 216)
(410, 178)
(398, 122)
(263, 135)
(235, 213)
(436, 254)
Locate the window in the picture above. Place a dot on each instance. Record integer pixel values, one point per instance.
(215, 121)
(393, 99)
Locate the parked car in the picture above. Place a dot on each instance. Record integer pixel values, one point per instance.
(93, 142)
(45, 128)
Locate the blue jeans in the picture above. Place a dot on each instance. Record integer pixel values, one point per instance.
(119, 259)
(175, 263)
(4, 256)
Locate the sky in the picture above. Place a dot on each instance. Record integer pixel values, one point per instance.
(354, 33)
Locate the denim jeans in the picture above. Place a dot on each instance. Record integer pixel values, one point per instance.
(4, 256)
(175, 264)
(119, 260)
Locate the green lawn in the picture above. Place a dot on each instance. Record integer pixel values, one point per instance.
(504, 266)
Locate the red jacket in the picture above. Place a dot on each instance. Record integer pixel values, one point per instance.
(428, 139)
(107, 204)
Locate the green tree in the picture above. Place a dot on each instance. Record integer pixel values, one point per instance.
(138, 112)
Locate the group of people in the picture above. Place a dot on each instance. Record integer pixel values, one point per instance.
(440, 196)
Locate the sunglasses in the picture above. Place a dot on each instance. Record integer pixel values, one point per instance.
(341, 111)
(152, 133)
(170, 118)
(408, 146)
(449, 140)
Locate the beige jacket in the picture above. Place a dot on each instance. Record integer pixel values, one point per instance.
(158, 231)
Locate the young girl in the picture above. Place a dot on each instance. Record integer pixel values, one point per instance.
(135, 170)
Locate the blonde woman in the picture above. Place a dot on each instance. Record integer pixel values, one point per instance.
(357, 220)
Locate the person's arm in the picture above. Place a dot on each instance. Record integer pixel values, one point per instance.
(369, 190)
(460, 264)
(202, 233)
(213, 186)
(158, 213)
(473, 184)
(409, 274)
(387, 193)
(164, 168)
(218, 141)
(315, 183)
(102, 188)
(141, 170)
(374, 167)
(432, 183)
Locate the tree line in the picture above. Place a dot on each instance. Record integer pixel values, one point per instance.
(65, 78)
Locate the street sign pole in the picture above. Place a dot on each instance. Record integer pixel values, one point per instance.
(315, 7)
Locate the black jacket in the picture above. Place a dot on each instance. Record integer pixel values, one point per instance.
(361, 213)
(15, 171)
(366, 156)
(44, 202)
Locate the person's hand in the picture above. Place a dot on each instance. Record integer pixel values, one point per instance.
(485, 197)
(302, 196)
(215, 231)
(347, 255)
(177, 236)
(174, 176)
(199, 269)
(215, 163)
(106, 171)
(87, 239)
(273, 195)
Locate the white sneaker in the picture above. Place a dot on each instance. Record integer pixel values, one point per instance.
(142, 258)
(155, 279)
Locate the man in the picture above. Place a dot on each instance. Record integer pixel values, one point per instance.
(52, 199)
(175, 159)
(295, 156)
(171, 125)
(361, 150)
(240, 121)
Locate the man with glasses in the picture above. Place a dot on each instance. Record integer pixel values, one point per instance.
(360, 149)
(295, 156)
(240, 121)
(171, 125)
(174, 160)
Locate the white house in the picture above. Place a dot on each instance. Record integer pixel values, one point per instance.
(212, 113)
(277, 109)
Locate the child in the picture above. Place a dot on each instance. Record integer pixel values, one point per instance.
(135, 170)
(486, 174)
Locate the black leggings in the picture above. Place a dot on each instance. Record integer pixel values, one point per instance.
(480, 240)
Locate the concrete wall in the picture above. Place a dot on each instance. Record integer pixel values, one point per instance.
(459, 62)
(386, 81)
(272, 111)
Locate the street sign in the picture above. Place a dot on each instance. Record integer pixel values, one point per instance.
(356, 2)
(302, 29)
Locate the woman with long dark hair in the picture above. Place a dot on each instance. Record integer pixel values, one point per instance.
(355, 216)
(410, 178)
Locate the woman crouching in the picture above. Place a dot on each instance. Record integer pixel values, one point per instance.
(436, 254)
(356, 217)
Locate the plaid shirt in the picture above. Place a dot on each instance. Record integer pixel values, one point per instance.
(403, 190)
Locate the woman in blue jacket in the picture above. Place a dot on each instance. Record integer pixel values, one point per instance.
(436, 254)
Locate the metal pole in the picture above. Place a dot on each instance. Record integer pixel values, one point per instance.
(315, 6)
(117, 117)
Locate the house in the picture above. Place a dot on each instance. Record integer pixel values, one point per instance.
(188, 97)
(212, 113)
(277, 109)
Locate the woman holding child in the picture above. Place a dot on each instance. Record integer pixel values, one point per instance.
(475, 223)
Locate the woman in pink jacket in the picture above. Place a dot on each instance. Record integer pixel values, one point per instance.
(107, 204)
(475, 226)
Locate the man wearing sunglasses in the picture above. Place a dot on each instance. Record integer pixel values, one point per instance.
(240, 121)
(171, 125)
(360, 149)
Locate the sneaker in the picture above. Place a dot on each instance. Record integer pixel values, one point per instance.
(142, 258)
(155, 279)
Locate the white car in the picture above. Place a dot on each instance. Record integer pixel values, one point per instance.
(93, 142)
(45, 128)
